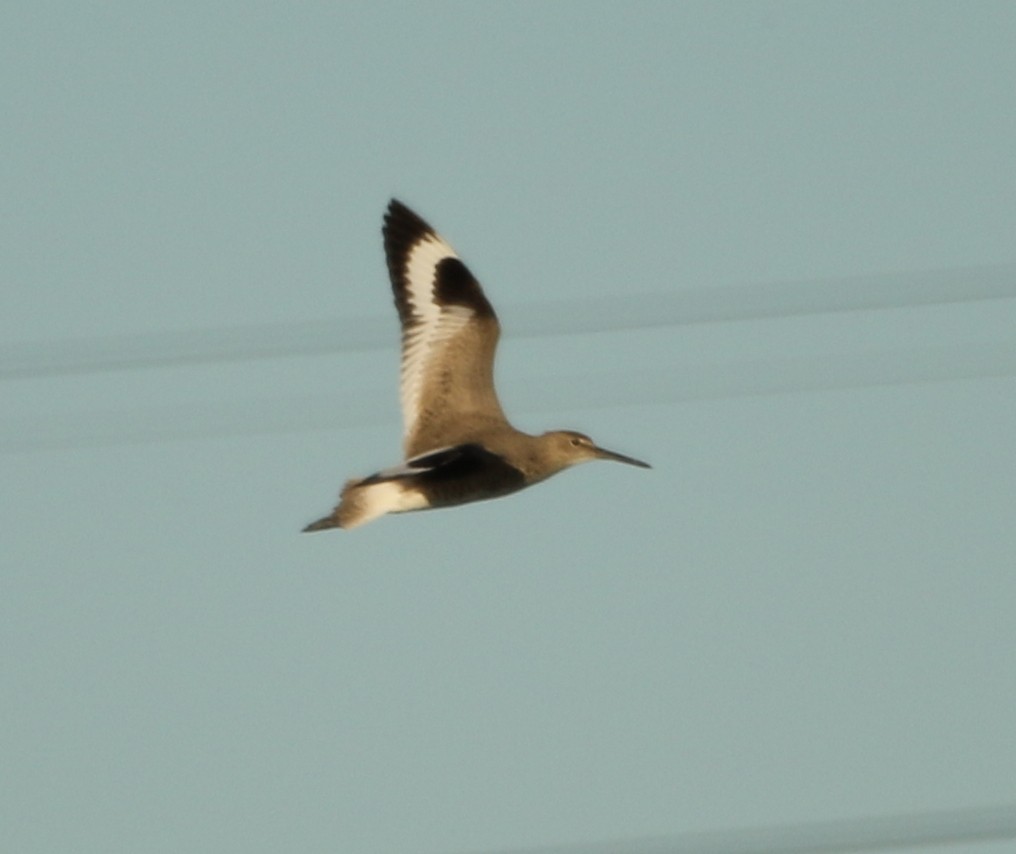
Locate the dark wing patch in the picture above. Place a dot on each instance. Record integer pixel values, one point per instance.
(455, 475)
(459, 454)
(455, 285)
(444, 462)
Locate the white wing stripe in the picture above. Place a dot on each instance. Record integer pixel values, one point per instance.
(431, 323)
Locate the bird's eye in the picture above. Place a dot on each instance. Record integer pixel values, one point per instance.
(576, 441)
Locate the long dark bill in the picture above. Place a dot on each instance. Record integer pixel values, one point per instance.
(604, 454)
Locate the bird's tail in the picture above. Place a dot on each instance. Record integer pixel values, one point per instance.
(363, 501)
(325, 522)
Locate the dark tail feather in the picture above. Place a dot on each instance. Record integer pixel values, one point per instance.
(323, 524)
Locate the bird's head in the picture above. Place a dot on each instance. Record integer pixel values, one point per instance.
(569, 448)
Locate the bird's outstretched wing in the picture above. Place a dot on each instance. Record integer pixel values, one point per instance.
(449, 336)
(455, 475)
(438, 462)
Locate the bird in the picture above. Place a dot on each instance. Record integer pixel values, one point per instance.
(458, 444)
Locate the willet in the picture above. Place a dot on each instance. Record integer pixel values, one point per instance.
(458, 444)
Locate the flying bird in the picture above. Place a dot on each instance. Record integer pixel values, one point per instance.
(458, 443)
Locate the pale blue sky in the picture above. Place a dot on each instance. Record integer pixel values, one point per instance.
(804, 612)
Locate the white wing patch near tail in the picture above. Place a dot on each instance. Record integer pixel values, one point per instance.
(363, 503)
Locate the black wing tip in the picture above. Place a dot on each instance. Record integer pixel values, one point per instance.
(395, 207)
(453, 283)
(403, 222)
(403, 229)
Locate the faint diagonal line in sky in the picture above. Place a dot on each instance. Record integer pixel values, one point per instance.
(562, 317)
(365, 406)
(874, 833)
